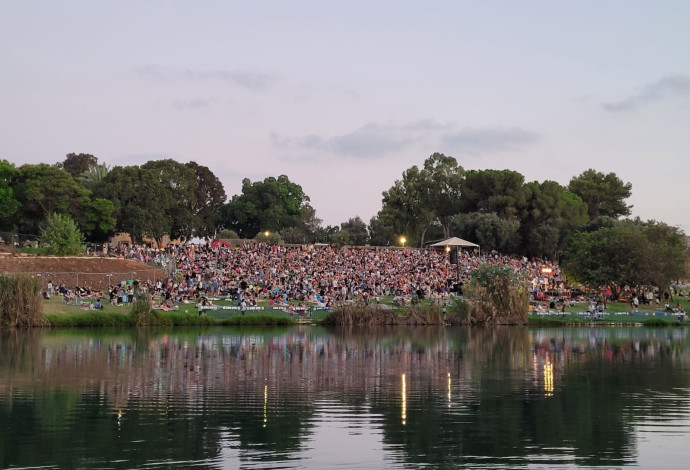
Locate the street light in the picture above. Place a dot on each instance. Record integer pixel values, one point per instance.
(267, 233)
(402, 241)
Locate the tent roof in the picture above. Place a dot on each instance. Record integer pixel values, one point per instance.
(454, 241)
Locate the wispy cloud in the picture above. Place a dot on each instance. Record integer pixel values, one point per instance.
(254, 81)
(487, 140)
(376, 140)
(667, 87)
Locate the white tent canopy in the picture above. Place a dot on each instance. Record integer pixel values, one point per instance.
(455, 241)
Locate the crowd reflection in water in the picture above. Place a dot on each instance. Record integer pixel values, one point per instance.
(469, 382)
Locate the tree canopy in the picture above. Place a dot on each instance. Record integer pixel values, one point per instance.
(604, 194)
(272, 204)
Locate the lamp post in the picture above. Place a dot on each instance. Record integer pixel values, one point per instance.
(267, 233)
(402, 241)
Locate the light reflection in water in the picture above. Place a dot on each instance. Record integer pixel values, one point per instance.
(548, 379)
(448, 389)
(404, 400)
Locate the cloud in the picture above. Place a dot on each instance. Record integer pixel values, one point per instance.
(375, 140)
(487, 140)
(190, 104)
(667, 87)
(254, 81)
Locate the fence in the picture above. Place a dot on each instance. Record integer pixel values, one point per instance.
(98, 281)
(226, 311)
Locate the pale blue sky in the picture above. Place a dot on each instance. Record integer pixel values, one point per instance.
(343, 96)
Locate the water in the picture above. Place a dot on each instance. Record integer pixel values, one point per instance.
(310, 398)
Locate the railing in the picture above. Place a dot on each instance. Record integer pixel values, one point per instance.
(221, 312)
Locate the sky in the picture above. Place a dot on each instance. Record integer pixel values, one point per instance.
(344, 96)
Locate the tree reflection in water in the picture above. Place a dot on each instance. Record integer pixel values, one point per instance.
(502, 395)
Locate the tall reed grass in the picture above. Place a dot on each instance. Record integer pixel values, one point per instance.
(21, 304)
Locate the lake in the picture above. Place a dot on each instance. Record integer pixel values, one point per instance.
(312, 398)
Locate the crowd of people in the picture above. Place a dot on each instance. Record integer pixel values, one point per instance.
(319, 275)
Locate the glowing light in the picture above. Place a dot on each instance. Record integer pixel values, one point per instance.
(402, 241)
(404, 401)
(267, 233)
(447, 249)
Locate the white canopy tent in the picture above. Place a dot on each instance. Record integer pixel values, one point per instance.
(455, 241)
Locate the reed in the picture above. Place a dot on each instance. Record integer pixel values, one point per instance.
(21, 304)
(495, 295)
(372, 316)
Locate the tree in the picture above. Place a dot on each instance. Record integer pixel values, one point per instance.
(404, 209)
(307, 229)
(550, 216)
(273, 204)
(77, 163)
(97, 220)
(181, 183)
(356, 230)
(439, 186)
(141, 203)
(381, 232)
(604, 194)
(93, 175)
(631, 252)
(210, 195)
(8, 203)
(62, 236)
(488, 230)
(501, 192)
(42, 190)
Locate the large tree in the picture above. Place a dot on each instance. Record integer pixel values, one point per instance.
(404, 208)
(181, 184)
(43, 190)
(550, 216)
(356, 230)
(604, 194)
(141, 202)
(273, 204)
(440, 185)
(493, 191)
(77, 163)
(8, 203)
(210, 195)
(630, 252)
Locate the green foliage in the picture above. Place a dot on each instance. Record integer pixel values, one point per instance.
(21, 304)
(141, 203)
(227, 234)
(631, 252)
(209, 196)
(356, 231)
(488, 230)
(8, 203)
(604, 194)
(42, 190)
(62, 236)
(440, 184)
(493, 191)
(77, 163)
(273, 204)
(272, 238)
(92, 177)
(382, 233)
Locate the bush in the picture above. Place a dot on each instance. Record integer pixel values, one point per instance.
(61, 236)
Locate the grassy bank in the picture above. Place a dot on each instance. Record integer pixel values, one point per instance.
(107, 319)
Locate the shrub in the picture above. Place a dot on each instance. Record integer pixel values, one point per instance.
(61, 236)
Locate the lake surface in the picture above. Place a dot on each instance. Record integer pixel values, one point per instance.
(311, 398)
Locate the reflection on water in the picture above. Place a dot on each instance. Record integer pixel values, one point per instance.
(315, 398)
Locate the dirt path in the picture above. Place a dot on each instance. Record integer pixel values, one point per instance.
(82, 271)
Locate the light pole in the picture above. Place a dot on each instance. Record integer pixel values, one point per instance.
(402, 241)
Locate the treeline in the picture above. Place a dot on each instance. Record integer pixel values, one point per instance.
(579, 224)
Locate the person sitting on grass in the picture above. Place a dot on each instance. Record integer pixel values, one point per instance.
(98, 305)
